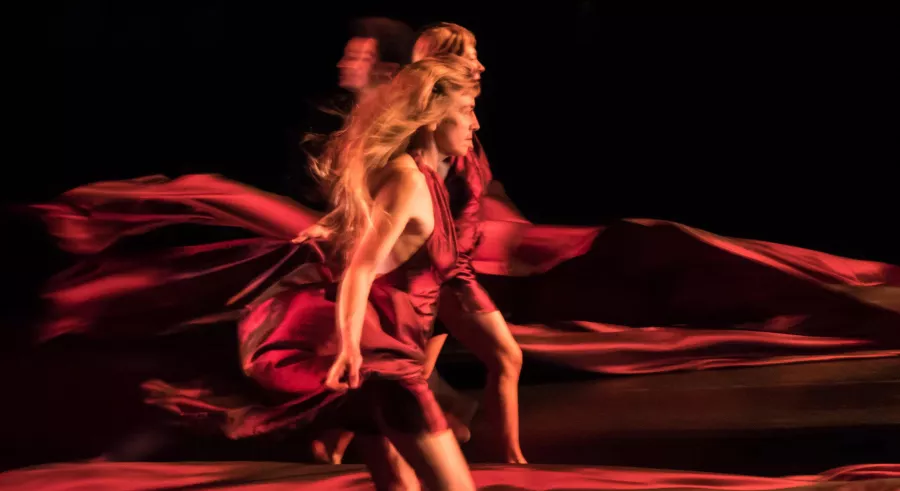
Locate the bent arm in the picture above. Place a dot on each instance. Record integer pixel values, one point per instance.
(477, 174)
(393, 209)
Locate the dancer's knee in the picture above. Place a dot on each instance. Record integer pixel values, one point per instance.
(507, 362)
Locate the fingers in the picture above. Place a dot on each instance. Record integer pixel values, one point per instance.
(353, 377)
(305, 235)
(333, 380)
(314, 232)
(348, 366)
(336, 386)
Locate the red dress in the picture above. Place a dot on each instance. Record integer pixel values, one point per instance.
(288, 342)
(467, 185)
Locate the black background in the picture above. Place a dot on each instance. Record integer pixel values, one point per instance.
(779, 128)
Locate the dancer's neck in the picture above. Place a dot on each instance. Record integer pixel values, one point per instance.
(443, 168)
(431, 156)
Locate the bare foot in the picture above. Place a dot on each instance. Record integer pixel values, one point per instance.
(516, 459)
(322, 456)
(320, 452)
(460, 431)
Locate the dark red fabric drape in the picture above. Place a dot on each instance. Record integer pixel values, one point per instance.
(264, 476)
(634, 297)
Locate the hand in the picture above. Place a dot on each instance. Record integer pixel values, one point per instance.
(344, 372)
(316, 231)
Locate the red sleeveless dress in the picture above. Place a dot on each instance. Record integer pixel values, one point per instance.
(288, 342)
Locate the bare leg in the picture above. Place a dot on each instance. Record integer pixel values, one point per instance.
(458, 408)
(335, 440)
(389, 471)
(437, 460)
(432, 350)
(488, 337)
(339, 440)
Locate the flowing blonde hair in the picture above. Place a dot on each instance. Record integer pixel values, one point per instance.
(443, 39)
(378, 129)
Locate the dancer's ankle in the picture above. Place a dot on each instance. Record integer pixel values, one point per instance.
(515, 458)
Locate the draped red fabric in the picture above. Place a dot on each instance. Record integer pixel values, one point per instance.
(636, 296)
(288, 343)
(267, 476)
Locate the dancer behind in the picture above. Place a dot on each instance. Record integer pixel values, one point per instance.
(378, 48)
(466, 309)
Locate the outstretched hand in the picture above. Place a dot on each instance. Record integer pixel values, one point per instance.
(344, 372)
(315, 231)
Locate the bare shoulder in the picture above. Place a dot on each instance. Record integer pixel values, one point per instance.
(402, 178)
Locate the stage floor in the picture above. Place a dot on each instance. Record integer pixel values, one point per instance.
(773, 420)
(271, 476)
(780, 420)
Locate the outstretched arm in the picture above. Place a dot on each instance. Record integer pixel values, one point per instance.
(393, 209)
(315, 231)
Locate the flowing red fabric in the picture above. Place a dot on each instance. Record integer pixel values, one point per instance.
(288, 343)
(636, 296)
(267, 476)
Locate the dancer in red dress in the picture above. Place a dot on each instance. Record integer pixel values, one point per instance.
(393, 246)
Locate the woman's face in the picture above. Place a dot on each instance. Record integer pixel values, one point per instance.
(477, 68)
(360, 56)
(453, 135)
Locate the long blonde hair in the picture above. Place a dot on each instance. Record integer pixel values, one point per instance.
(442, 39)
(379, 128)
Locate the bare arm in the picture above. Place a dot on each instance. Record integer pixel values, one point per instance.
(476, 177)
(315, 231)
(394, 207)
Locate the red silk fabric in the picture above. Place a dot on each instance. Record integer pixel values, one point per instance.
(288, 343)
(636, 296)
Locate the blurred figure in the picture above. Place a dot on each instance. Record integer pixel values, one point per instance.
(377, 49)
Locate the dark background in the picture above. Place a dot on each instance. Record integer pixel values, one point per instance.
(780, 128)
